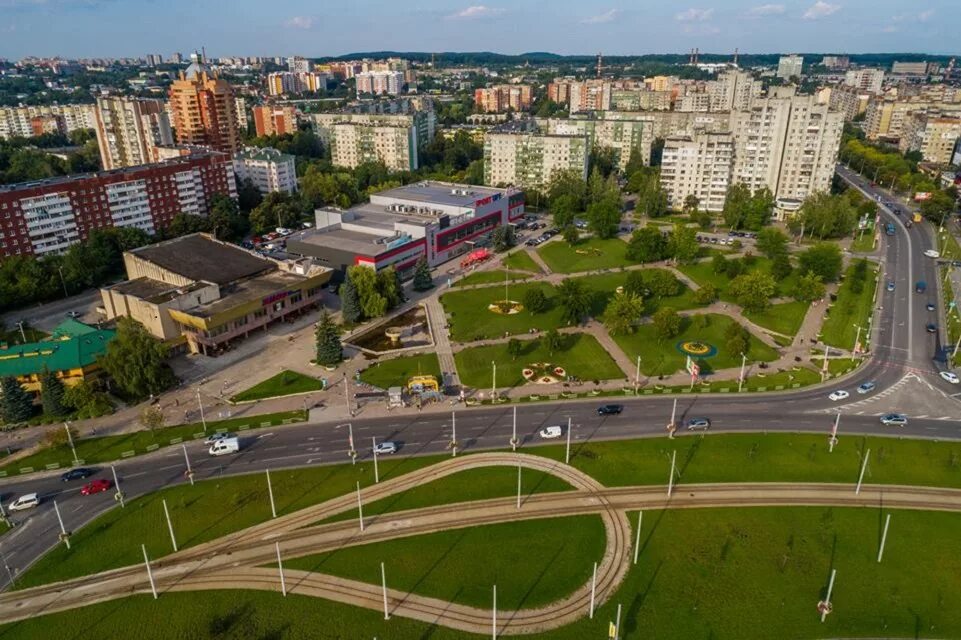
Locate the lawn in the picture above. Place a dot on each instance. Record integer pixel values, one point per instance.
(395, 372)
(661, 357)
(863, 243)
(98, 450)
(532, 562)
(521, 261)
(285, 383)
(703, 273)
(470, 318)
(848, 310)
(496, 276)
(785, 318)
(580, 355)
(586, 255)
(605, 285)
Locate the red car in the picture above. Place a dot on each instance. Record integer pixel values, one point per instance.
(95, 487)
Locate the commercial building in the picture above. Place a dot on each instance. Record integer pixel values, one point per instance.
(380, 83)
(516, 97)
(286, 82)
(273, 120)
(206, 294)
(623, 135)
(531, 160)
(130, 129)
(47, 216)
(204, 112)
(700, 165)
(934, 136)
(790, 67)
(865, 79)
(71, 353)
(434, 220)
(268, 169)
(356, 138)
(34, 120)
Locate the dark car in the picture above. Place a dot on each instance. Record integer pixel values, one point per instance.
(76, 474)
(930, 306)
(609, 409)
(931, 327)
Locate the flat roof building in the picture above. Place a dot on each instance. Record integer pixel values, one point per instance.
(71, 352)
(268, 169)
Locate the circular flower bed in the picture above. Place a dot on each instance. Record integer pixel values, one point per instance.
(505, 307)
(544, 373)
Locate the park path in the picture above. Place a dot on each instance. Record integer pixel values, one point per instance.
(442, 346)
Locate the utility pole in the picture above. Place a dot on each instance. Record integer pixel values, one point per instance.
(360, 508)
(637, 538)
(884, 537)
(518, 486)
(203, 420)
(170, 526)
(280, 567)
(76, 461)
(670, 425)
(270, 492)
(864, 467)
(63, 282)
(617, 623)
(453, 434)
(350, 411)
(383, 584)
(350, 443)
(514, 431)
(116, 485)
(22, 332)
(740, 380)
(593, 591)
(189, 472)
(494, 616)
(825, 605)
(63, 531)
(373, 441)
(833, 440)
(670, 482)
(146, 561)
(567, 452)
(493, 381)
(637, 375)
(857, 340)
(6, 566)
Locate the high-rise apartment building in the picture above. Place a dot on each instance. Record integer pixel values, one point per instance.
(836, 63)
(811, 143)
(274, 120)
(204, 110)
(700, 165)
(516, 97)
(380, 83)
(20, 121)
(130, 129)
(623, 136)
(394, 139)
(790, 66)
(865, 79)
(590, 95)
(934, 136)
(176, 57)
(296, 82)
(733, 91)
(559, 90)
(849, 101)
(296, 64)
(268, 169)
(909, 68)
(532, 159)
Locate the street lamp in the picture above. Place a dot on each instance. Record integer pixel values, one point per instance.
(63, 282)
(857, 339)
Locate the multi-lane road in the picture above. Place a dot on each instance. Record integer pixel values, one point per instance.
(900, 347)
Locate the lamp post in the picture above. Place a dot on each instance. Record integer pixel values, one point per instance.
(200, 401)
(493, 380)
(63, 282)
(740, 380)
(857, 340)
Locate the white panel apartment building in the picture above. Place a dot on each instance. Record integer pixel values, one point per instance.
(268, 169)
(532, 159)
(130, 129)
(18, 121)
(394, 139)
(733, 91)
(865, 79)
(380, 82)
(698, 165)
(789, 66)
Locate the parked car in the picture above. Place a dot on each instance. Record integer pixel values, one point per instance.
(699, 424)
(73, 314)
(867, 387)
(553, 431)
(610, 409)
(840, 394)
(97, 486)
(894, 420)
(950, 376)
(385, 447)
(217, 437)
(76, 474)
(26, 501)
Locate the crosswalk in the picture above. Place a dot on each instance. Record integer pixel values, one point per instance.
(907, 390)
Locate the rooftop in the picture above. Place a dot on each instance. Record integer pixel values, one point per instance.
(199, 257)
(440, 193)
(248, 291)
(73, 345)
(265, 154)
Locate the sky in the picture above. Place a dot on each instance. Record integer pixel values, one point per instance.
(118, 28)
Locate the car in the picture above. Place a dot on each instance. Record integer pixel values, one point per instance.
(97, 486)
(553, 431)
(894, 419)
(840, 394)
(950, 376)
(76, 474)
(931, 327)
(956, 263)
(26, 501)
(73, 314)
(890, 285)
(609, 409)
(930, 306)
(931, 253)
(867, 387)
(385, 447)
(698, 424)
(217, 437)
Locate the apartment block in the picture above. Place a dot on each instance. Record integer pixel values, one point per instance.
(669, 123)
(296, 64)
(268, 169)
(271, 120)
(909, 68)
(811, 142)
(790, 66)
(47, 216)
(30, 121)
(865, 79)
(394, 139)
(559, 90)
(623, 136)
(590, 95)
(204, 110)
(733, 91)
(700, 165)
(516, 97)
(641, 100)
(531, 160)
(836, 63)
(289, 82)
(380, 83)
(130, 129)
(848, 100)
(934, 136)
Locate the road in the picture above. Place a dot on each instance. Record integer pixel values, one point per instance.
(901, 364)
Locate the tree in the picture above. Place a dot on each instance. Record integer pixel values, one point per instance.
(604, 217)
(571, 235)
(567, 183)
(225, 220)
(137, 361)
(503, 237)
(514, 348)
(719, 263)
(808, 288)
(781, 266)
(651, 197)
(329, 350)
(553, 341)
(51, 394)
(746, 210)
(824, 215)
(682, 243)
(734, 268)
(647, 244)
(564, 208)
(535, 301)
(86, 401)
(248, 195)
(771, 242)
(691, 203)
(152, 417)
(823, 259)
(278, 209)
(16, 405)
(575, 300)
(706, 294)
(753, 290)
(372, 303)
(350, 308)
(623, 312)
(667, 323)
(389, 286)
(422, 277)
(661, 283)
(737, 339)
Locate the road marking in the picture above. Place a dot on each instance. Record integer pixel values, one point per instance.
(265, 435)
(134, 475)
(275, 448)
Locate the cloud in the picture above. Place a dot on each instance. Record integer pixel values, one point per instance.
(694, 15)
(820, 9)
(889, 29)
(601, 18)
(767, 10)
(475, 11)
(925, 15)
(300, 22)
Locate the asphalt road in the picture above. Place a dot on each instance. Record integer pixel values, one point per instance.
(900, 346)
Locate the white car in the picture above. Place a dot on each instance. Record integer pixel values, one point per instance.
(840, 394)
(554, 431)
(950, 376)
(931, 253)
(385, 447)
(26, 501)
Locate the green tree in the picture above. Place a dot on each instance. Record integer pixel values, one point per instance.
(691, 203)
(278, 209)
(51, 394)
(389, 286)
(571, 235)
(736, 204)
(248, 195)
(823, 259)
(563, 209)
(327, 337)
(422, 277)
(86, 401)
(737, 339)
(771, 242)
(781, 266)
(136, 361)
(719, 263)
(514, 348)
(372, 303)
(567, 183)
(350, 306)
(824, 215)
(535, 301)
(604, 217)
(682, 243)
(706, 294)
(753, 290)
(225, 220)
(808, 288)
(661, 283)
(575, 300)
(553, 341)
(503, 238)
(647, 244)
(623, 312)
(152, 417)
(651, 197)
(16, 405)
(667, 323)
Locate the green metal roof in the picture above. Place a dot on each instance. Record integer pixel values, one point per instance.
(71, 346)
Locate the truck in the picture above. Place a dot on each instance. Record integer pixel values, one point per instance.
(889, 229)
(224, 447)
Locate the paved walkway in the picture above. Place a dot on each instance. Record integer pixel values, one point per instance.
(442, 346)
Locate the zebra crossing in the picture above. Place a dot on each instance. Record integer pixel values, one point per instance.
(910, 391)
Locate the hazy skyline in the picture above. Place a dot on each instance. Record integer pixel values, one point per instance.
(112, 28)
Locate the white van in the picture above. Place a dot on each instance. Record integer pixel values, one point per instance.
(26, 501)
(224, 446)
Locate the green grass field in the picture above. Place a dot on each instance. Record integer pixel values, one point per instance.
(703, 273)
(661, 357)
(605, 285)
(850, 309)
(395, 372)
(495, 276)
(470, 319)
(785, 318)
(532, 562)
(102, 449)
(285, 383)
(863, 243)
(522, 261)
(580, 354)
(586, 255)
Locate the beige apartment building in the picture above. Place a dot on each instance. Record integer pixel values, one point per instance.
(204, 109)
(733, 91)
(590, 95)
(811, 142)
(130, 129)
(849, 101)
(272, 120)
(502, 97)
(934, 136)
(865, 79)
(700, 165)
(394, 139)
(623, 135)
(531, 160)
(33, 120)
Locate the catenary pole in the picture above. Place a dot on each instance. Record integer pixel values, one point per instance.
(884, 537)
(63, 530)
(593, 591)
(383, 584)
(864, 467)
(270, 492)
(567, 452)
(190, 473)
(280, 567)
(146, 561)
(360, 508)
(170, 525)
(116, 485)
(637, 536)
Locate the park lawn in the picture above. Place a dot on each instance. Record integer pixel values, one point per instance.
(470, 318)
(605, 286)
(953, 320)
(949, 246)
(580, 354)
(285, 383)
(586, 255)
(703, 273)
(101, 449)
(863, 243)
(661, 357)
(532, 562)
(495, 276)
(785, 318)
(801, 376)
(521, 261)
(395, 372)
(848, 310)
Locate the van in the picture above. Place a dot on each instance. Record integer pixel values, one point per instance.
(26, 501)
(224, 447)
